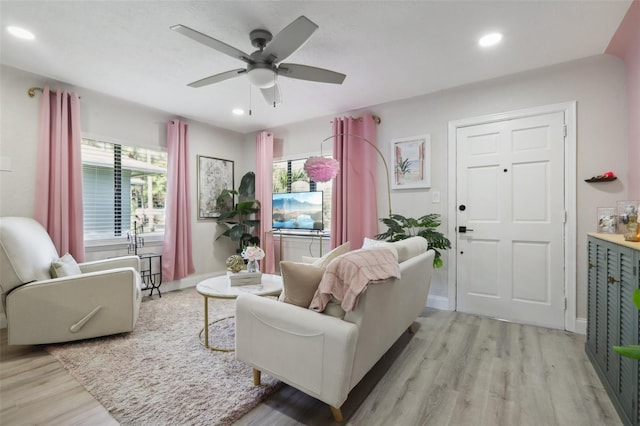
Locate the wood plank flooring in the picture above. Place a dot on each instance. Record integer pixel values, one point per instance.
(457, 369)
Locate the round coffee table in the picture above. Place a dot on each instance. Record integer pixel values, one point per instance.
(221, 288)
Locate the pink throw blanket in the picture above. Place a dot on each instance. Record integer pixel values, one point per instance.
(347, 276)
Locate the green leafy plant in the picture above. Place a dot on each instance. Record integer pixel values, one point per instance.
(403, 166)
(401, 227)
(631, 351)
(237, 212)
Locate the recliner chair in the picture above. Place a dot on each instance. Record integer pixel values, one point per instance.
(104, 299)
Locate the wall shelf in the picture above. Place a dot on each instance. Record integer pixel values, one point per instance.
(600, 179)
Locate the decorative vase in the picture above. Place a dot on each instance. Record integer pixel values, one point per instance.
(252, 266)
(628, 219)
(235, 263)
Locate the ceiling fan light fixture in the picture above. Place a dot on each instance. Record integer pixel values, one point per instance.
(262, 78)
(489, 40)
(20, 33)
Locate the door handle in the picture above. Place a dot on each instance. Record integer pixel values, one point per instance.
(464, 229)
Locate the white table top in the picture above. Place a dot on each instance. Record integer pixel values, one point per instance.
(220, 287)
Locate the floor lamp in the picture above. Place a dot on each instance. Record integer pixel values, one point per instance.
(323, 169)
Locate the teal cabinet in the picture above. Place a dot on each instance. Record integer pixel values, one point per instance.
(612, 319)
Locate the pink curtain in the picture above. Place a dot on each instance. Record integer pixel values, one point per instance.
(177, 259)
(354, 212)
(264, 189)
(58, 204)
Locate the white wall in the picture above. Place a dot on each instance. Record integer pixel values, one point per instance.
(115, 120)
(596, 83)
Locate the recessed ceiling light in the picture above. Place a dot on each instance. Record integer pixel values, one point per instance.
(238, 111)
(21, 33)
(490, 40)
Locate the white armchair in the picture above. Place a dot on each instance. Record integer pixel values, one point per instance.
(104, 299)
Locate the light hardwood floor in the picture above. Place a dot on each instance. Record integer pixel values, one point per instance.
(457, 369)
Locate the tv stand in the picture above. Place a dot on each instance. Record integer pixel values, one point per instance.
(313, 233)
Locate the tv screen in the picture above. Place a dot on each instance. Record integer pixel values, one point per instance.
(298, 210)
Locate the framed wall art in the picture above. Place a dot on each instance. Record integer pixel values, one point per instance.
(411, 162)
(214, 175)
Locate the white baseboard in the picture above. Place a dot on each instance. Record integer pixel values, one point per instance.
(187, 282)
(581, 326)
(438, 302)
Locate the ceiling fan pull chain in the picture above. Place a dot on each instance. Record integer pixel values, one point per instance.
(249, 99)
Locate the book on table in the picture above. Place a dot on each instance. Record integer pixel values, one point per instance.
(244, 278)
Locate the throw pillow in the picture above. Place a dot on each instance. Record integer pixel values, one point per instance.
(323, 261)
(368, 243)
(66, 266)
(300, 282)
(334, 308)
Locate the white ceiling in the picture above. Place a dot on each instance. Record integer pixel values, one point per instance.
(389, 49)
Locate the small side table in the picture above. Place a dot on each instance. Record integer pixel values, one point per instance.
(221, 288)
(151, 272)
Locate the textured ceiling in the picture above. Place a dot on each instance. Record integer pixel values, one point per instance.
(389, 49)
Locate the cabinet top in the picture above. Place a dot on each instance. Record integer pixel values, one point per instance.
(616, 239)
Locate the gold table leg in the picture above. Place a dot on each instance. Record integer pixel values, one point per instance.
(206, 322)
(205, 329)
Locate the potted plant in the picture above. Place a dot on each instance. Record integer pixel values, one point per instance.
(401, 227)
(237, 212)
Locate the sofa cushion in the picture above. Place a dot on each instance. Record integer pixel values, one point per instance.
(300, 282)
(322, 262)
(410, 247)
(66, 266)
(369, 243)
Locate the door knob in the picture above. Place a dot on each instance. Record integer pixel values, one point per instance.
(464, 229)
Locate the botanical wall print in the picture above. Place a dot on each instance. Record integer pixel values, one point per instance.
(411, 162)
(214, 175)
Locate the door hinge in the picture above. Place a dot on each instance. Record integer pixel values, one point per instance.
(564, 130)
(564, 217)
(565, 303)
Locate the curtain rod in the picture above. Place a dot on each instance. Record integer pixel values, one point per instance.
(32, 91)
(377, 119)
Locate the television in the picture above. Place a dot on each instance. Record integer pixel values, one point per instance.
(298, 210)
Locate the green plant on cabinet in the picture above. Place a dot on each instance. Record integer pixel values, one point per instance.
(631, 351)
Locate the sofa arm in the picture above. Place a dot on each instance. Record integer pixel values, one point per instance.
(308, 350)
(73, 308)
(116, 262)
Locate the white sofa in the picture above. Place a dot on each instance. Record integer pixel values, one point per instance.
(103, 299)
(325, 356)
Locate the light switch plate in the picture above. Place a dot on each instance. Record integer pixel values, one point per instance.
(435, 196)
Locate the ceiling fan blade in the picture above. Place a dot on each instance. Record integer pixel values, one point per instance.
(305, 72)
(213, 43)
(218, 78)
(272, 95)
(290, 39)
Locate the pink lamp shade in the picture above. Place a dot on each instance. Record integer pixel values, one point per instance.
(321, 169)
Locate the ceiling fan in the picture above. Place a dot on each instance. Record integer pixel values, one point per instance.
(264, 65)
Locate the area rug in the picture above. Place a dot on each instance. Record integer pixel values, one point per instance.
(160, 374)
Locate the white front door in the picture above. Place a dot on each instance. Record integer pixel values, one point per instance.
(510, 198)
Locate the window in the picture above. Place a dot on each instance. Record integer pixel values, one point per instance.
(289, 176)
(122, 186)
